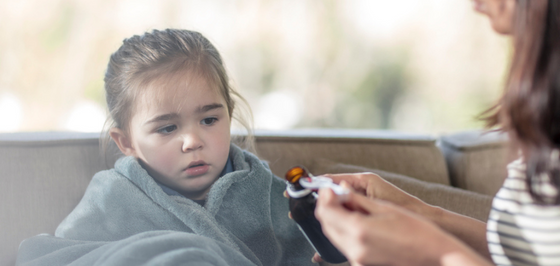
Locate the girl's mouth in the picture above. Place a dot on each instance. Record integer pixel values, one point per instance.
(197, 168)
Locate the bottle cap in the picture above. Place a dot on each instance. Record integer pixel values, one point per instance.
(295, 173)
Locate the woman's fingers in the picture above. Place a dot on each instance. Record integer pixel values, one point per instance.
(334, 218)
(329, 208)
(348, 229)
(353, 179)
(359, 203)
(353, 202)
(327, 197)
(345, 184)
(316, 258)
(366, 230)
(361, 182)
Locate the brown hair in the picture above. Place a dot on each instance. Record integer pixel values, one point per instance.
(529, 110)
(141, 59)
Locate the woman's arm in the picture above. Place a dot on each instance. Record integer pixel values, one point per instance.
(371, 231)
(469, 230)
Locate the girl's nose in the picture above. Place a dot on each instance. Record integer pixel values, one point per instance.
(191, 142)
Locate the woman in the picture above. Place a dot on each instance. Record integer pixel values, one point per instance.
(390, 227)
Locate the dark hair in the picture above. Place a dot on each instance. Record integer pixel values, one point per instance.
(529, 110)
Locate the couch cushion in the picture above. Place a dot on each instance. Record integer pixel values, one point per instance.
(412, 155)
(477, 160)
(460, 201)
(44, 175)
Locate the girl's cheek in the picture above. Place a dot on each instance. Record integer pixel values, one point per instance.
(226, 140)
(166, 156)
(160, 156)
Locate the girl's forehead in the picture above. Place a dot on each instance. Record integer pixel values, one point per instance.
(178, 92)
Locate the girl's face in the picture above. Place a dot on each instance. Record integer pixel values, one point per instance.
(500, 12)
(181, 135)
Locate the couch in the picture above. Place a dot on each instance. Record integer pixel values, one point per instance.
(44, 174)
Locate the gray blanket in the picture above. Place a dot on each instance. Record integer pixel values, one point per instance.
(125, 218)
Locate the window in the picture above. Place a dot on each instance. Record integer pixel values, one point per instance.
(417, 66)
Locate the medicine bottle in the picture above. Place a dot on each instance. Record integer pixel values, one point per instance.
(302, 207)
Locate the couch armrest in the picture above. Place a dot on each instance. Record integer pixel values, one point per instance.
(476, 160)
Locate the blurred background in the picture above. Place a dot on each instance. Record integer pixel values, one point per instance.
(417, 66)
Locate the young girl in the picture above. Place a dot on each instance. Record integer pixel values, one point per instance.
(183, 194)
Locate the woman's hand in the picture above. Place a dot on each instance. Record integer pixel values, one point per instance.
(375, 187)
(372, 232)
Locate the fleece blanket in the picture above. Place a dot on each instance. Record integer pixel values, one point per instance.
(125, 218)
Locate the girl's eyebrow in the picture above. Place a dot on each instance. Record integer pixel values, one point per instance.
(170, 116)
(165, 117)
(208, 107)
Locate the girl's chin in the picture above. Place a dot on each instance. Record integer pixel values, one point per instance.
(197, 191)
(195, 195)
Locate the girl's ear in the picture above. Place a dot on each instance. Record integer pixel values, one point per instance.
(122, 141)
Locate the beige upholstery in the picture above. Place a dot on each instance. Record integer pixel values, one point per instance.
(44, 174)
(411, 155)
(477, 161)
(42, 181)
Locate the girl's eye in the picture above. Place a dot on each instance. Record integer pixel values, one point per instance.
(167, 129)
(209, 121)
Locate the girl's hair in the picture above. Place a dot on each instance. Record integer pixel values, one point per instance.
(529, 110)
(142, 59)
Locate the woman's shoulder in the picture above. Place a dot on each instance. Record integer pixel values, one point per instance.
(517, 165)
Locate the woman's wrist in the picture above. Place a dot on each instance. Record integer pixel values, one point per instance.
(443, 248)
(470, 231)
(460, 254)
(429, 212)
(449, 251)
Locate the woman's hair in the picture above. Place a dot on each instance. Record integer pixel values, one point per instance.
(529, 110)
(141, 60)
